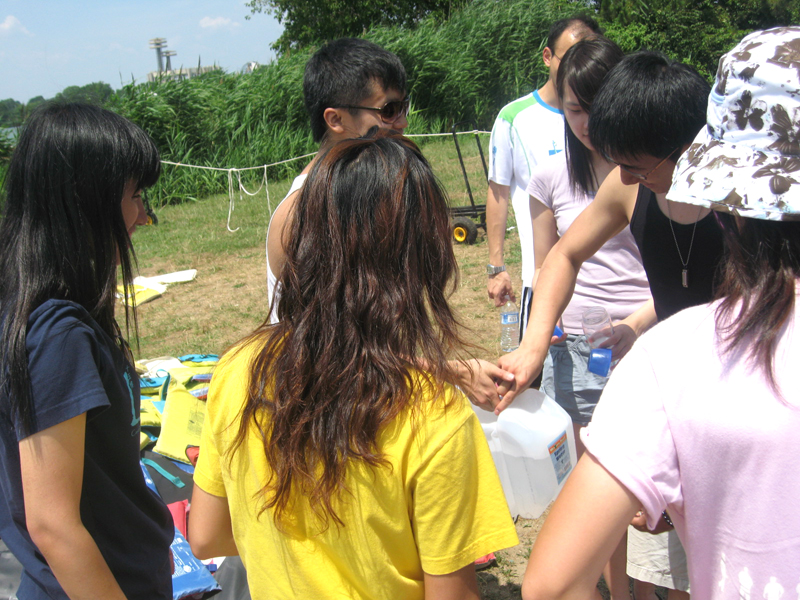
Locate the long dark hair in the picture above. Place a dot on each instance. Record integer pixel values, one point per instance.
(63, 227)
(758, 287)
(583, 68)
(363, 303)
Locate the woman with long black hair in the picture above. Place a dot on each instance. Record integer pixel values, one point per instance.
(74, 507)
(331, 460)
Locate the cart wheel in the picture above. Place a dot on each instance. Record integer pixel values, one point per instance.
(465, 231)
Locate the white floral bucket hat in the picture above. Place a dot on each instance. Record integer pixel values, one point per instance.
(747, 160)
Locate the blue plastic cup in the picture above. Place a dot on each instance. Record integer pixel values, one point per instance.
(600, 361)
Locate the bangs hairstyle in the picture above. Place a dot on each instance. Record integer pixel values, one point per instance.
(583, 68)
(758, 287)
(363, 304)
(344, 72)
(648, 105)
(63, 224)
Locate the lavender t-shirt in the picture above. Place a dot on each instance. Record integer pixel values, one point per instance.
(614, 277)
(705, 437)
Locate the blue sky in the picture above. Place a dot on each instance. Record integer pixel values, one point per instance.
(47, 45)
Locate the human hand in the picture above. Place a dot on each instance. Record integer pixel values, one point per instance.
(499, 286)
(621, 341)
(639, 522)
(479, 380)
(525, 367)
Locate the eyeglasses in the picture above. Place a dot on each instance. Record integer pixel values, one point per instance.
(389, 112)
(640, 176)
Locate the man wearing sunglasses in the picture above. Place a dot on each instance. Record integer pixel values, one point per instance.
(525, 132)
(350, 85)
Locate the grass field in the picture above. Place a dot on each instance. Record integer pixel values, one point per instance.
(228, 298)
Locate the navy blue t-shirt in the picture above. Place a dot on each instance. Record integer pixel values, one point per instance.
(76, 368)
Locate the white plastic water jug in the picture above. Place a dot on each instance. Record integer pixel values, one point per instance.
(489, 424)
(538, 448)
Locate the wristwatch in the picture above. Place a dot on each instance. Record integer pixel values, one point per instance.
(491, 270)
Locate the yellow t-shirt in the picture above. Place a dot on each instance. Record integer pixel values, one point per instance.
(437, 509)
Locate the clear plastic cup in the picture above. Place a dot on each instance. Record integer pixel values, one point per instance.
(596, 325)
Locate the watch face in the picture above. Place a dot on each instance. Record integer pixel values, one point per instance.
(492, 270)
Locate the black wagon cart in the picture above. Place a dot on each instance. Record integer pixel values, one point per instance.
(465, 220)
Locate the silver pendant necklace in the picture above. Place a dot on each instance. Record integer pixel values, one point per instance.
(685, 263)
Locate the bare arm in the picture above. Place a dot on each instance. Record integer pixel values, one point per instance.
(497, 197)
(630, 328)
(51, 462)
(545, 234)
(607, 215)
(210, 530)
(478, 379)
(586, 523)
(459, 585)
(280, 219)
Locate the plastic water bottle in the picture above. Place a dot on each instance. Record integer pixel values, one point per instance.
(538, 447)
(488, 422)
(509, 326)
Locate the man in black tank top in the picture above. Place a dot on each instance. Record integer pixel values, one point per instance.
(646, 114)
(655, 236)
(680, 255)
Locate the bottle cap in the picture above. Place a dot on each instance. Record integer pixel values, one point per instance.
(600, 361)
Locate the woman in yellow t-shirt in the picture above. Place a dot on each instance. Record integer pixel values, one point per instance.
(331, 461)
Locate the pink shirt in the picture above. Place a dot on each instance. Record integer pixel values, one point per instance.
(705, 437)
(614, 277)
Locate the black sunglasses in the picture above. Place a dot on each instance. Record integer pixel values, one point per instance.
(389, 112)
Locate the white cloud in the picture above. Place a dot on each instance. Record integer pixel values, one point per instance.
(217, 23)
(12, 23)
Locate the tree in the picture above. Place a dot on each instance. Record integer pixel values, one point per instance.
(91, 93)
(739, 14)
(308, 22)
(35, 101)
(696, 32)
(9, 113)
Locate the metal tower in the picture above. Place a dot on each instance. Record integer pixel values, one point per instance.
(159, 44)
(169, 54)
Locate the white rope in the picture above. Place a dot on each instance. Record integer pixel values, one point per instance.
(281, 162)
(244, 189)
(265, 180)
(230, 201)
